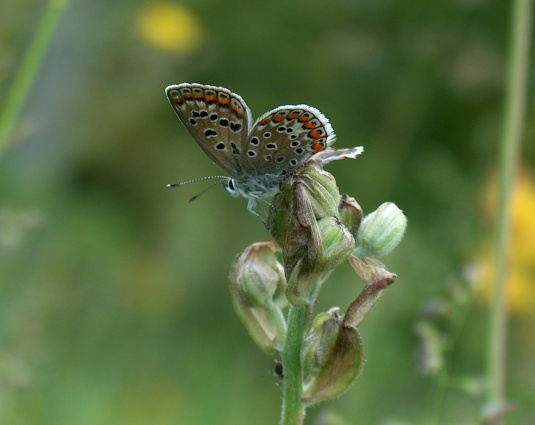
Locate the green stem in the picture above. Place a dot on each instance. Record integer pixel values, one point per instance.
(293, 410)
(18, 92)
(515, 105)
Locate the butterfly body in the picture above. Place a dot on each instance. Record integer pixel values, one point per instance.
(258, 155)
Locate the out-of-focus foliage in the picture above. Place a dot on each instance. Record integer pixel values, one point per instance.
(114, 299)
(521, 289)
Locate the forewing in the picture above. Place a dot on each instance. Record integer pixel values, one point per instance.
(285, 137)
(216, 118)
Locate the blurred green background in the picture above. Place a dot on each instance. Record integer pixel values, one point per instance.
(114, 301)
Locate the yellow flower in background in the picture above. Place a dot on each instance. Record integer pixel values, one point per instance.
(521, 279)
(170, 27)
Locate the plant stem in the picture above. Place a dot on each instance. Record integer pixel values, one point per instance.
(22, 83)
(515, 105)
(293, 410)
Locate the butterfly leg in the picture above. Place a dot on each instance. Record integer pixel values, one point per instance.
(251, 204)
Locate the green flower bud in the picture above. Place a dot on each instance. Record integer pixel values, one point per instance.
(332, 358)
(307, 193)
(320, 340)
(321, 186)
(350, 214)
(337, 243)
(303, 219)
(308, 265)
(380, 232)
(257, 289)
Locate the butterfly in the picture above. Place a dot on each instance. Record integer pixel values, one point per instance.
(256, 156)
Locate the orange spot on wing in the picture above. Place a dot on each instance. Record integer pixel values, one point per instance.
(179, 100)
(315, 134)
(293, 115)
(279, 117)
(188, 96)
(237, 110)
(309, 125)
(210, 98)
(223, 100)
(317, 146)
(264, 121)
(198, 95)
(304, 118)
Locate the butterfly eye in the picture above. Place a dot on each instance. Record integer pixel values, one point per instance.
(231, 185)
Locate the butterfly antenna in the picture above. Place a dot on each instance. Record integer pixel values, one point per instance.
(207, 189)
(223, 178)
